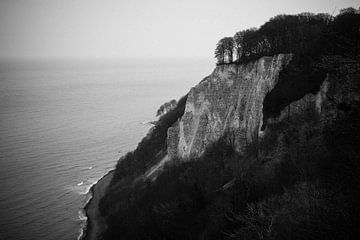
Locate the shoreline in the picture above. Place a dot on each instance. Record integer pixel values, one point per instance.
(95, 224)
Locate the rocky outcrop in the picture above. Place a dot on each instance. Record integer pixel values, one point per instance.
(229, 100)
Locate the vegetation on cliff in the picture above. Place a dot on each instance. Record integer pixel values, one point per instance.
(166, 107)
(149, 152)
(305, 34)
(304, 186)
(300, 181)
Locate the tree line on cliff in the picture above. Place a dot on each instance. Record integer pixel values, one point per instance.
(301, 181)
(305, 34)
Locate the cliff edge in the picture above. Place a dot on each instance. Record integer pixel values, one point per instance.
(264, 148)
(209, 170)
(229, 100)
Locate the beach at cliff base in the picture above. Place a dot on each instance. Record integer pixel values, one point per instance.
(95, 222)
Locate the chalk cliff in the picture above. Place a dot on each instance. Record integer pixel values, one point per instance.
(229, 100)
(304, 135)
(265, 148)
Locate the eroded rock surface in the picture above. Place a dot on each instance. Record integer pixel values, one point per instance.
(229, 100)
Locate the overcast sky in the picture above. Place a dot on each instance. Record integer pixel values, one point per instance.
(135, 28)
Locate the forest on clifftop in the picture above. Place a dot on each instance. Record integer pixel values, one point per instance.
(301, 181)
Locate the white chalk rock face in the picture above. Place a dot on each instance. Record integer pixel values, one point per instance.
(229, 100)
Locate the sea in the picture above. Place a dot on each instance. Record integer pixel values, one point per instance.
(65, 123)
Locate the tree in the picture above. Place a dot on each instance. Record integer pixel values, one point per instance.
(249, 42)
(229, 48)
(349, 10)
(239, 41)
(225, 50)
(166, 107)
(220, 53)
(306, 35)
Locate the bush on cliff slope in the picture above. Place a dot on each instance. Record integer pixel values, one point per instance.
(304, 186)
(316, 39)
(145, 155)
(149, 151)
(301, 181)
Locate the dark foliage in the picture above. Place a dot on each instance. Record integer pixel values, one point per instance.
(301, 181)
(147, 151)
(305, 34)
(225, 50)
(166, 107)
(311, 38)
(188, 200)
(296, 80)
(221, 196)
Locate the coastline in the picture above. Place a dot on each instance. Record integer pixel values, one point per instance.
(95, 223)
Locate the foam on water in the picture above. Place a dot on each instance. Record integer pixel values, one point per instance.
(62, 125)
(148, 122)
(83, 187)
(83, 220)
(82, 212)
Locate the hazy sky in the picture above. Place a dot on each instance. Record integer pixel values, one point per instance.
(135, 28)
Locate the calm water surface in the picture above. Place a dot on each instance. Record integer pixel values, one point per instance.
(64, 124)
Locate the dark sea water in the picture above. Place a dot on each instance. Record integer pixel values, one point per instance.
(63, 125)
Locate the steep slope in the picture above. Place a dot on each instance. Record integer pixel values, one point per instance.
(244, 181)
(267, 148)
(229, 100)
(296, 181)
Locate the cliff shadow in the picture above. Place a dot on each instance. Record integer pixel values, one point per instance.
(300, 77)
